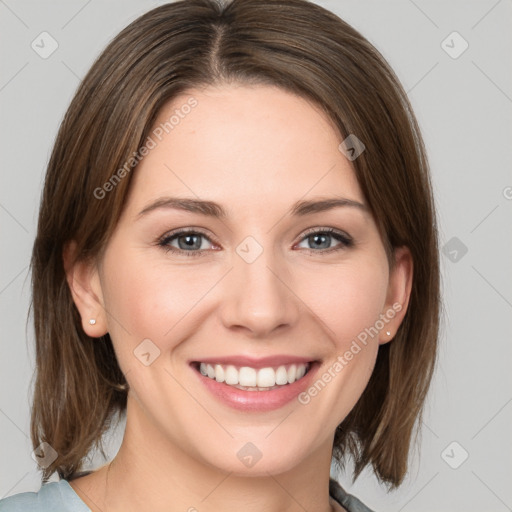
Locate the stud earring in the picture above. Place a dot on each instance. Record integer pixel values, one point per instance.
(92, 321)
(388, 333)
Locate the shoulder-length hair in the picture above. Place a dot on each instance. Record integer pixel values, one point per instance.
(304, 49)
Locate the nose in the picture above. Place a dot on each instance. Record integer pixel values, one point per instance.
(258, 297)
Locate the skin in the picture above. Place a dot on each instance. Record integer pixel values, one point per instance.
(256, 150)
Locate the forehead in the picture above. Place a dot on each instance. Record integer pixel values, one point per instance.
(243, 144)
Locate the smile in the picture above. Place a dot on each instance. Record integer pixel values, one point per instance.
(255, 384)
(255, 379)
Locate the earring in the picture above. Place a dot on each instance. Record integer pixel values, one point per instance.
(92, 321)
(388, 333)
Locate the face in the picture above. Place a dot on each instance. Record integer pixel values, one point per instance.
(258, 295)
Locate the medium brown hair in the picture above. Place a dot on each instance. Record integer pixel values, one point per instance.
(304, 49)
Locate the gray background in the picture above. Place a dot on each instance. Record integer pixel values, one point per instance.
(464, 106)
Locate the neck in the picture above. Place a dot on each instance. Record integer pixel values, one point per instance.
(151, 473)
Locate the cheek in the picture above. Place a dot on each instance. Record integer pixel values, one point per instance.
(349, 305)
(146, 299)
(348, 298)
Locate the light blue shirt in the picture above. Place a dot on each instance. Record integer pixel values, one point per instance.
(61, 497)
(52, 497)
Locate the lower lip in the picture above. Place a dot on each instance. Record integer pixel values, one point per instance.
(257, 400)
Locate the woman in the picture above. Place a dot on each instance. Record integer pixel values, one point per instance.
(237, 247)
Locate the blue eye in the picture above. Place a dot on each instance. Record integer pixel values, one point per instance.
(190, 242)
(319, 238)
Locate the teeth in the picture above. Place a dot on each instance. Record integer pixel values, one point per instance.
(292, 373)
(266, 378)
(219, 373)
(251, 379)
(281, 376)
(247, 376)
(231, 375)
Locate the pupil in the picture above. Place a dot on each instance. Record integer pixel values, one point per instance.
(190, 241)
(319, 238)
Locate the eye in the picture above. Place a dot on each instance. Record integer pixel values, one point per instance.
(322, 238)
(189, 242)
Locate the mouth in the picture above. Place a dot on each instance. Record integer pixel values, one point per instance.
(248, 378)
(256, 385)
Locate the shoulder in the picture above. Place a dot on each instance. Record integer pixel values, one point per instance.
(349, 502)
(50, 497)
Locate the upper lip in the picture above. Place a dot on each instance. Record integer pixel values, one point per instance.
(254, 362)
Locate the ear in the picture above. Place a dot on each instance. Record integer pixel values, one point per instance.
(85, 286)
(399, 292)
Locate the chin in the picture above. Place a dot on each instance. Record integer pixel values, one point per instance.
(256, 459)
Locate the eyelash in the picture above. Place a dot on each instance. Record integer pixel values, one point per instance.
(346, 241)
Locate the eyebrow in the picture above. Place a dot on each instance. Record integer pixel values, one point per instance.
(212, 209)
